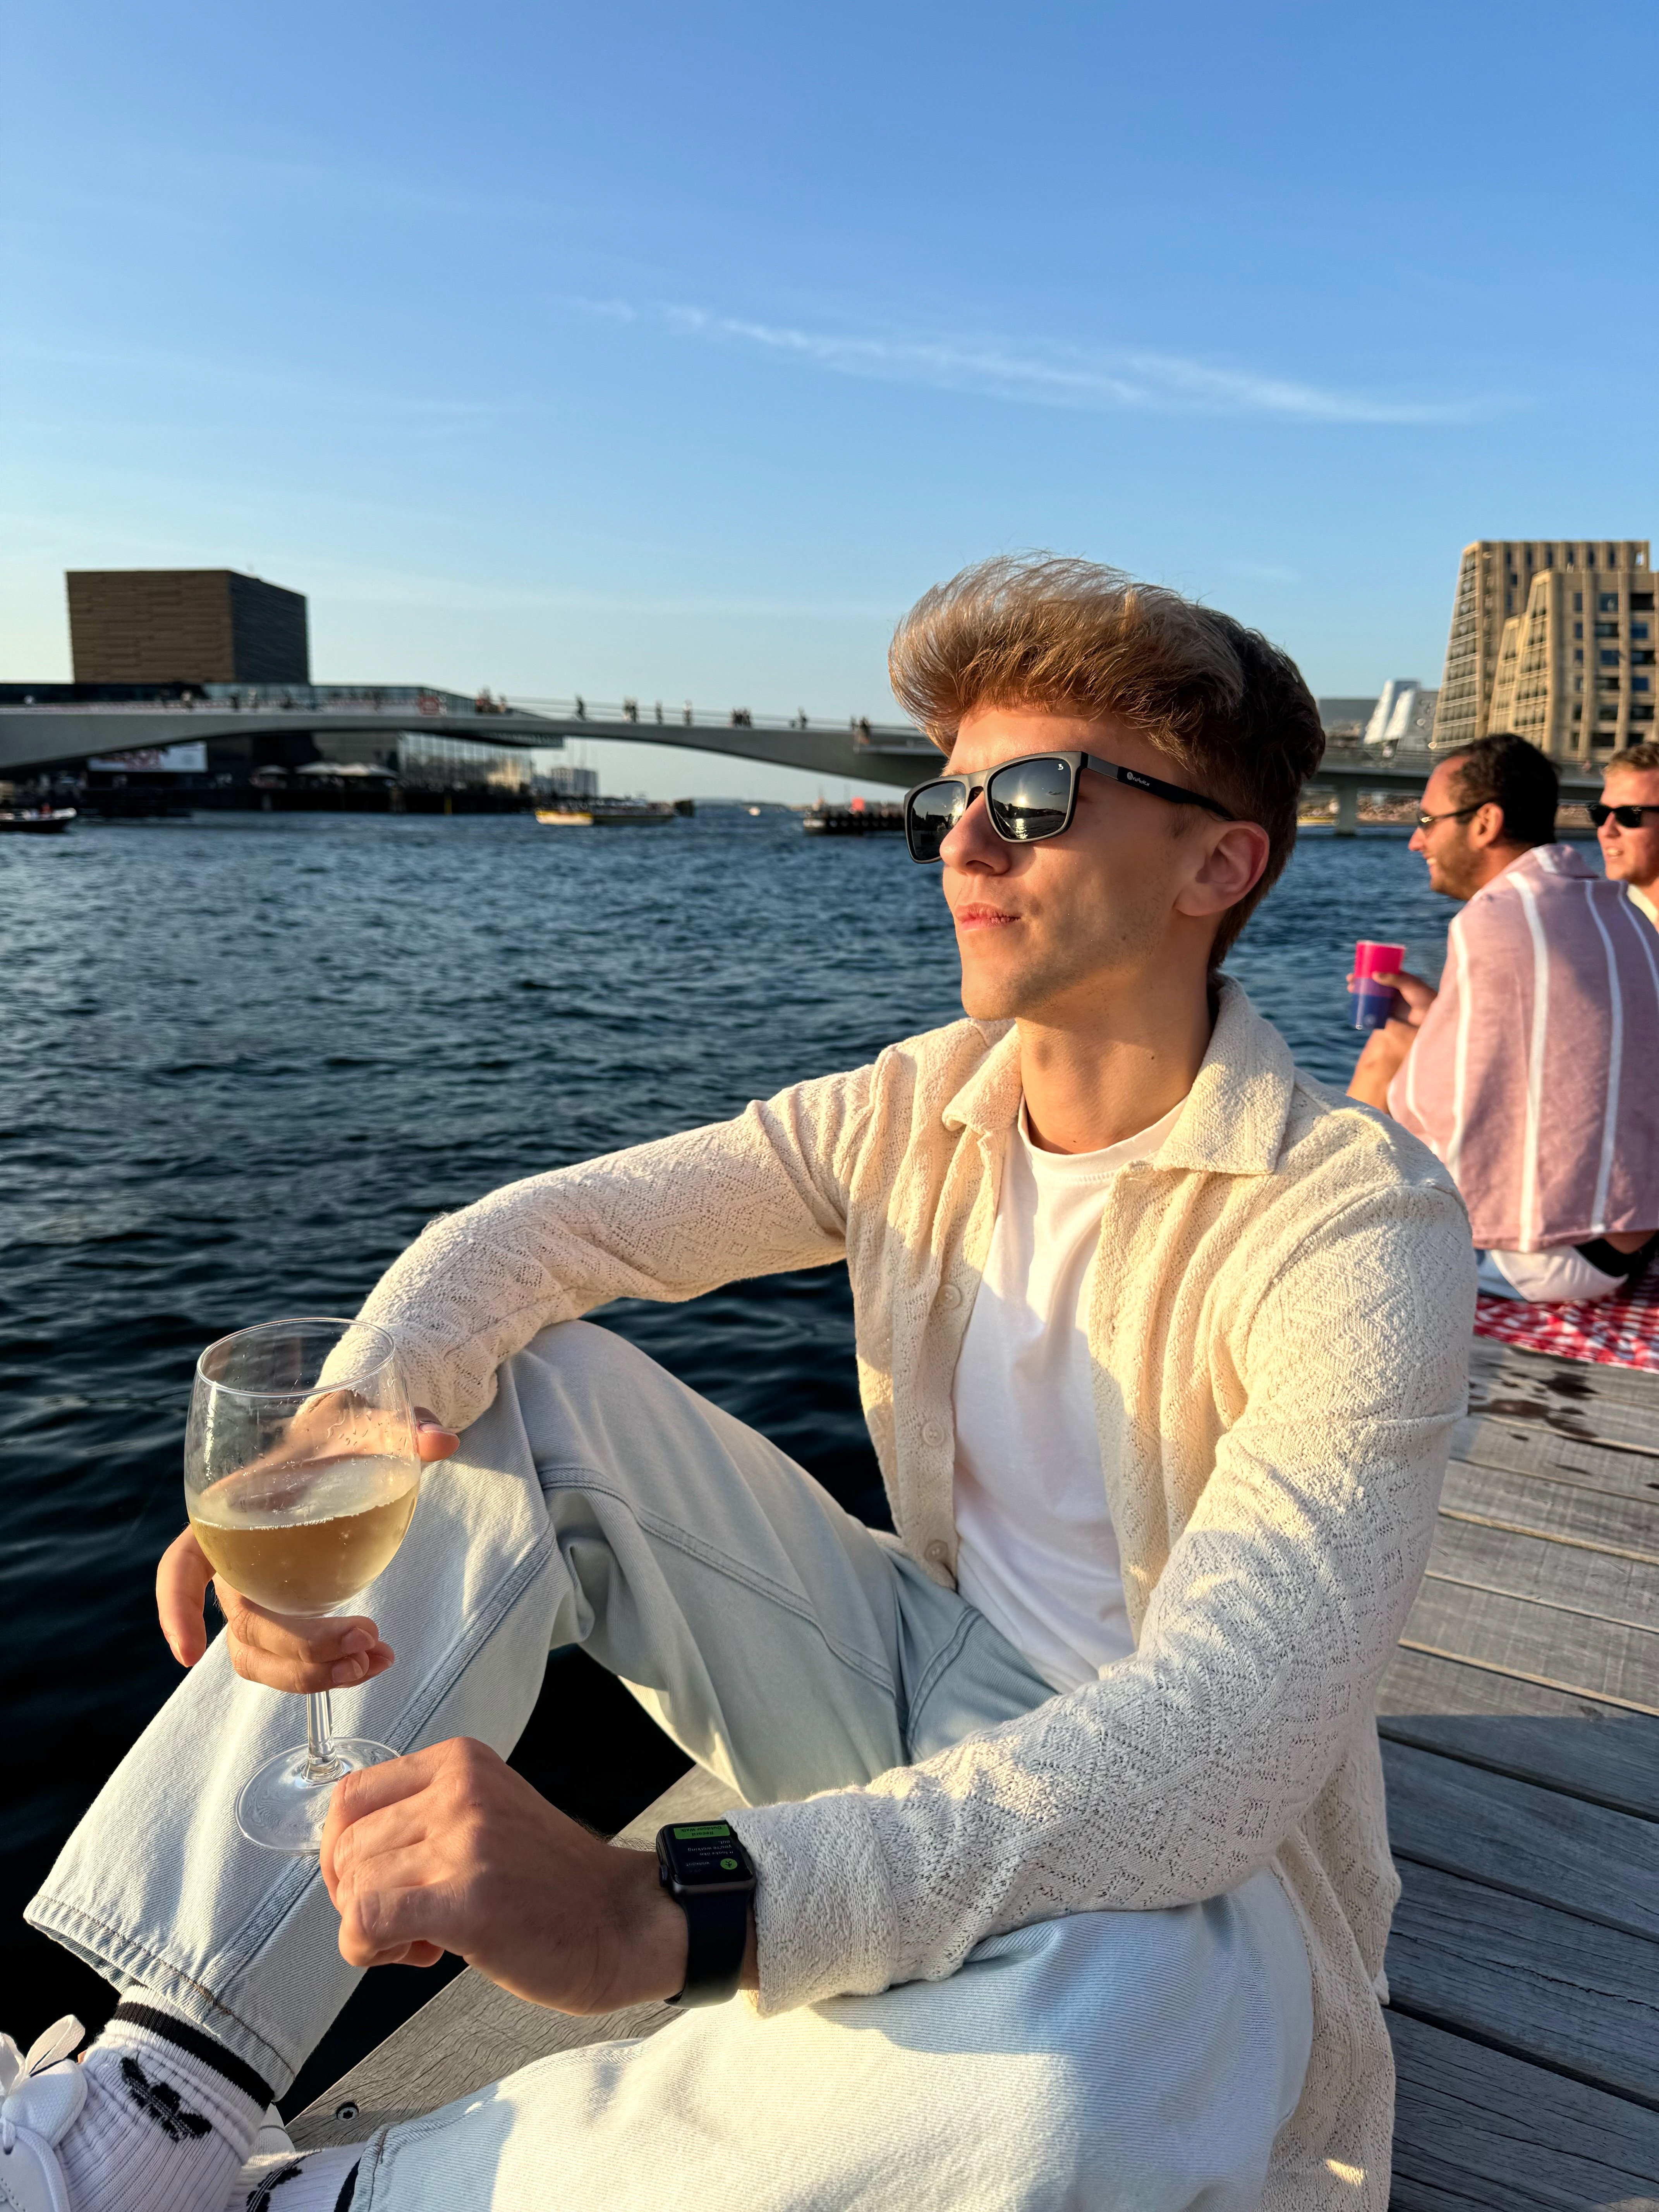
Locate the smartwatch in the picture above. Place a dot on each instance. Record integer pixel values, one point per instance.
(705, 1871)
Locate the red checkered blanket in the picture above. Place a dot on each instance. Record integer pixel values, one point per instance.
(1618, 1333)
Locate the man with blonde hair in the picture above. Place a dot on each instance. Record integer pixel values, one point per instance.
(1626, 822)
(1064, 1880)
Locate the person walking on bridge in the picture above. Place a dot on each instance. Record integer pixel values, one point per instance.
(1530, 1071)
(1065, 1879)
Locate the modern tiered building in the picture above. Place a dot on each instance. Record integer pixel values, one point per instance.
(1553, 640)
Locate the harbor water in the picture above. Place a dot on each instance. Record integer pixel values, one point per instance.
(247, 1056)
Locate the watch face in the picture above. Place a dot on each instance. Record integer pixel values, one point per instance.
(706, 1855)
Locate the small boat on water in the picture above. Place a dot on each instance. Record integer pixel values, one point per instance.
(40, 821)
(608, 813)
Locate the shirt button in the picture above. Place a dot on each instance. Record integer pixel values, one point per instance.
(932, 1434)
(938, 1552)
(950, 1294)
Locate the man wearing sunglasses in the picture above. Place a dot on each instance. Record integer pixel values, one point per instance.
(1064, 1878)
(1627, 823)
(1530, 1070)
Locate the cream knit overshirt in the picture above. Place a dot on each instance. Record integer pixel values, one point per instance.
(1280, 1328)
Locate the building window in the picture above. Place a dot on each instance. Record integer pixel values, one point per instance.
(1638, 630)
(1608, 603)
(1607, 629)
(1641, 603)
(1608, 656)
(1640, 684)
(1642, 714)
(1606, 682)
(1641, 656)
(1578, 603)
(1607, 713)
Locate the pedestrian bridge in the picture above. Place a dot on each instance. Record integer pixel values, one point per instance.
(41, 734)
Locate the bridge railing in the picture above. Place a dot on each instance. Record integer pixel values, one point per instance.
(418, 702)
(649, 714)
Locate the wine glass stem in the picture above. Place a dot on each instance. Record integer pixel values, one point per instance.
(320, 1762)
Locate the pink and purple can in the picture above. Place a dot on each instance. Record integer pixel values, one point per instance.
(1374, 1002)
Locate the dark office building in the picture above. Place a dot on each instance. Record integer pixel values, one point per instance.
(185, 626)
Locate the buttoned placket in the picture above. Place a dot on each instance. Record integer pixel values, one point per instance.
(947, 1328)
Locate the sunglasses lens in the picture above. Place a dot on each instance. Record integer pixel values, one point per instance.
(1029, 798)
(930, 815)
(1630, 817)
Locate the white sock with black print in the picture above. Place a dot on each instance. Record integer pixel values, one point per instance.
(169, 2117)
(309, 2181)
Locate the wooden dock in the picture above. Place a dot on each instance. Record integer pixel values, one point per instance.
(1519, 1726)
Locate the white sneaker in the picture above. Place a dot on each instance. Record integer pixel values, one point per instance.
(42, 2095)
(273, 2137)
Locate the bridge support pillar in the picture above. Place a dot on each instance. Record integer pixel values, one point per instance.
(1348, 810)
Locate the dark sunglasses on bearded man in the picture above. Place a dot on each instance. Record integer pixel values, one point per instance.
(1026, 799)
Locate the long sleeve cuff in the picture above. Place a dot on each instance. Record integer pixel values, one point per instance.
(825, 1922)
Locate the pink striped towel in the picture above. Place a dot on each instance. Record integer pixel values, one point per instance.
(1535, 1074)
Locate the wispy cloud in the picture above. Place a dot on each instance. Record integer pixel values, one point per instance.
(1037, 373)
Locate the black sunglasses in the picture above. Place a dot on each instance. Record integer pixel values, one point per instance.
(1026, 799)
(1627, 818)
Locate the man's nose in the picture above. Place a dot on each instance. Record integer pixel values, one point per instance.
(972, 842)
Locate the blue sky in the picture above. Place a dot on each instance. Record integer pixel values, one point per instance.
(671, 352)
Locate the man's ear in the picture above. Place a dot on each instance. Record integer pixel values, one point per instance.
(1231, 869)
(1486, 827)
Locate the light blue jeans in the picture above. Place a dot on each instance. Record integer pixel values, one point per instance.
(1124, 2062)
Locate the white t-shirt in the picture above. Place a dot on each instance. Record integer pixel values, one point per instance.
(1036, 1551)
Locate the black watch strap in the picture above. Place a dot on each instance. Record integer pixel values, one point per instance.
(717, 1935)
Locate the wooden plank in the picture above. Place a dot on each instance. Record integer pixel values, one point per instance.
(473, 2033)
(1540, 1644)
(1523, 1448)
(1476, 2130)
(1594, 1751)
(1537, 1844)
(1567, 1512)
(1543, 1984)
(1602, 1585)
(1566, 1380)
(1593, 1403)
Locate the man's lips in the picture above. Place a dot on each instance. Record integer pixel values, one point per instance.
(979, 916)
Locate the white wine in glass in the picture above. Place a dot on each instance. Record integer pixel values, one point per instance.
(301, 1472)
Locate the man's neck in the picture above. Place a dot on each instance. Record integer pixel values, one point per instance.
(1500, 858)
(1088, 1086)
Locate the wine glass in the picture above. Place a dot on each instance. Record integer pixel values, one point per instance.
(301, 1472)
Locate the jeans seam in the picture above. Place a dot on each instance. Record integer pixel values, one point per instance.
(681, 1539)
(943, 1657)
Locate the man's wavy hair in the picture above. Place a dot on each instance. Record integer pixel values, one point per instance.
(1231, 711)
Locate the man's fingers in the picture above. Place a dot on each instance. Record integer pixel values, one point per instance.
(181, 1580)
(286, 1653)
(369, 1790)
(432, 1439)
(390, 1903)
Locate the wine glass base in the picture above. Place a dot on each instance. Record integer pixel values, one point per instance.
(282, 1805)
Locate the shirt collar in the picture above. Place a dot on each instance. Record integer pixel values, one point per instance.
(1231, 1123)
(1539, 861)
